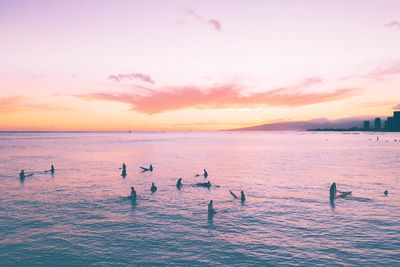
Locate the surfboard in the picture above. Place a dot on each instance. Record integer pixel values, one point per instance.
(343, 194)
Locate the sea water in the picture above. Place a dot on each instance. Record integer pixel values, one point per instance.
(80, 216)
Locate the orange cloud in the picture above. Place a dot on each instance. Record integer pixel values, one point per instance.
(10, 103)
(21, 103)
(220, 96)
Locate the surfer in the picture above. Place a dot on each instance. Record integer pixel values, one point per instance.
(123, 174)
(133, 194)
(22, 175)
(205, 173)
(211, 210)
(332, 191)
(386, 193)
(208, 184)
(149, 169)
(52, 169)
(153, 188)
(242, 197)
(179, 183)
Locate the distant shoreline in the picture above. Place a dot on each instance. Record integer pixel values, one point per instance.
(350, 130)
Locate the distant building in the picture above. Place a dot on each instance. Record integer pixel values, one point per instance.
(366, 126)
(396, 121)
(377, 124)
(390, 124)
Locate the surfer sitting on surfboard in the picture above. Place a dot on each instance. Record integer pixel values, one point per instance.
(52, 169)
(22, 174)
(242, 196)
(205, 174)
(333, 190)
(150, 168)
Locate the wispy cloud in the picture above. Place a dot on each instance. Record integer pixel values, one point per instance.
(213, 23)
(387, 70)
(393, 24)
(10, 103)
(21, 103)
(132, 76)
(219, 96)
(397, 107)
(379, 73)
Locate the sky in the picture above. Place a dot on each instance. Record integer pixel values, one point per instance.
(195, 65)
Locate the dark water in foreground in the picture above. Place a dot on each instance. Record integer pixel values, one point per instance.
(81, 217)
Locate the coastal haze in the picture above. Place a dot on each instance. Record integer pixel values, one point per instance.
(81, 216)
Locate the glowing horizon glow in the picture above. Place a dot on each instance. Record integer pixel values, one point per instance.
(194, 65)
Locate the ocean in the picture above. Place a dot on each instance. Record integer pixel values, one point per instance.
(80, 216)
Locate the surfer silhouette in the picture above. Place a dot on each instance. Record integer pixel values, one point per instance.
(153, 188)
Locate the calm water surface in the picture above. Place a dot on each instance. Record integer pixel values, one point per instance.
(81, 217)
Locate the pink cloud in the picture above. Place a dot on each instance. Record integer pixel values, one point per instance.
(132, 76)
(192, 13)
(214, 23)
(218, 96)
(393, 24)
(391, 70)
(10, 103)
(397, 107)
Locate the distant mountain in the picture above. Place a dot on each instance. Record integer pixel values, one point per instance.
(321, 123)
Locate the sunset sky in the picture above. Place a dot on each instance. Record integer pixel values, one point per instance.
(195, 65)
